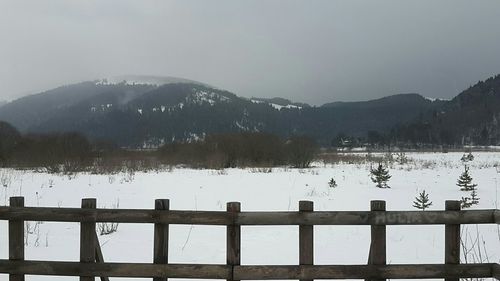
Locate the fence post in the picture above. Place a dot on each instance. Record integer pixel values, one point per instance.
(160, 247)
(233, 238)
(16, 238)
(452, 238)
(306, 238)
(87, 238)
(99, 257)
(378, 238)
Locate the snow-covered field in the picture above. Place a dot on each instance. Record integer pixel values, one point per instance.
(280, 189)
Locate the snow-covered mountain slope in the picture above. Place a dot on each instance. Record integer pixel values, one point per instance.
(156, 109)
(133, 114)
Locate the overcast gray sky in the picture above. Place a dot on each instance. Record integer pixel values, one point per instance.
(310, 51)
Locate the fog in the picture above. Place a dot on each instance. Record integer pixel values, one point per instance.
(308, 51)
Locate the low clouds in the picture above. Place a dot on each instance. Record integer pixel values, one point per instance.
(311, 51)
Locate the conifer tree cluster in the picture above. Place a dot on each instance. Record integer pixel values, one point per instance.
(380, 176)
(422, 201)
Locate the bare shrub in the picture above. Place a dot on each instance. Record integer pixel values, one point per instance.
(349, 158)
(301, 151)
(473, 248)
(106, 228)
(261, 170)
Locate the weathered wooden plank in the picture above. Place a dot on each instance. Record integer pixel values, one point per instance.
(495, 268)
(422, 271)
(203, 271)
(116, 215)
(452, 239)
(16, 238)
(251, 272)
(378, 251)
(306, 238)
(137, 270)
(250, 218)
(366, 218)
(87, 239)
(99, 257)
(160, 245)
(233, 239)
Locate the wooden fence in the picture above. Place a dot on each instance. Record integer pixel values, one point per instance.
(92, 265)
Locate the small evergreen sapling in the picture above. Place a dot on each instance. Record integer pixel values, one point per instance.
(467, 157)
(465, 181)
(332, 183)
(380, 176)
(467, 202)
(422, 201)
(402, 158)
(473, 198)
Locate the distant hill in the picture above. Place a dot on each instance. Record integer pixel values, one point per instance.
(472, 117)
(147, 79)
(142, 111)
(406, 101)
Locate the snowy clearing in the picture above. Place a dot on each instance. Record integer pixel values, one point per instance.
(281, 189)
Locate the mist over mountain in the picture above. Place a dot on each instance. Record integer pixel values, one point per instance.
(143, 111)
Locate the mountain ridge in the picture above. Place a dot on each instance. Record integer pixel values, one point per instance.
(137, 114)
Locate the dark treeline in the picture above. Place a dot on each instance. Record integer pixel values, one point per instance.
(55, 152)
(242, 150)
(416, 136)
(72, 152)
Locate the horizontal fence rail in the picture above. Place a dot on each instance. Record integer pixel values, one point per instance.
(205, 271)
(496, 271)
(250, 218)
(92, 262)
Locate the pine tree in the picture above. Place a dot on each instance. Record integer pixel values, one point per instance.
(380, 176)
(422, 201)
(465, 181)
(467, 157)
(473, 197)
(332, 183)
(465, 202)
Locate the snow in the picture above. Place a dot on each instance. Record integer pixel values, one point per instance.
(435, 99)
(289, 106)
(201, 97)
(103, 107)
(241, 127)
(281, 189)
(277, 106)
